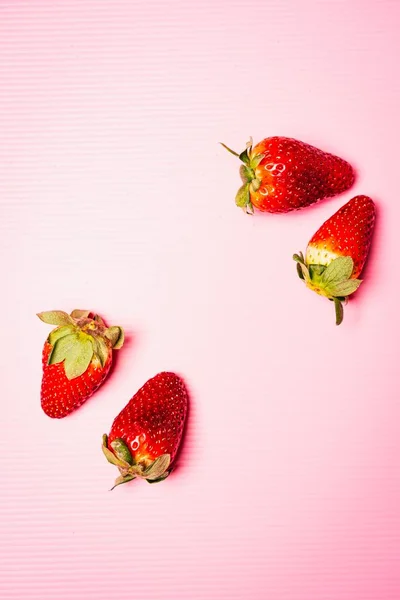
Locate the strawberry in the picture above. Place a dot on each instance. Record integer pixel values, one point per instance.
(337, 252)
(145, 436)
(76, 358)
(282, 174)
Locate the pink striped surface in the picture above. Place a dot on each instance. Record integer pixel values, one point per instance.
(116, 197)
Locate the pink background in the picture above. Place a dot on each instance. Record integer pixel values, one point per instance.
(115, 196)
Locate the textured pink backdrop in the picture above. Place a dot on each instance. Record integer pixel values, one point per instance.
(115, 196)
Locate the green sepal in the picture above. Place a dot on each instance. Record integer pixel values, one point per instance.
(338, 311)
(316, 271)
(122, 451)
(112, 459)
(344, 288)
(299, 271)
(80, 314)
(255, 161)
(157, 468)
(122, 479)
(110, 456)
(100, 349)
(340, 269)
(78, 358)
(161, 478)
(116, 336)
(76, 350)
(62, 347)
(301, 267)
(244, 157)
(243, 196)
(305, 271)
(56, 317)
(246, 174)
(60, 332)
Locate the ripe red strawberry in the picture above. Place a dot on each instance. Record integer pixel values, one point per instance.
(77, 357)
(282, 174)
(145, 436)
(337, 252)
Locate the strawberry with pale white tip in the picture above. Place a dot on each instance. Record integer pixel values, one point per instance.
(76, 359)
(145, 436)
(337, 252)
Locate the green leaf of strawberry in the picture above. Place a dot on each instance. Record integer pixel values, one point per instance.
(337, 271)
(161, 478)
(122, 451)
(344, 288)
(244, 157)
(101, 349)
(116, 336)
(338, 311)
(112, 458)
(122, 479)
(246, 174)
(158, 467)
(255, 161)
(76, 350)
(243, 196)
(302, 269)
(78, 357)
(60, 332)
(56, 317)
(316, 271)
(62, 347)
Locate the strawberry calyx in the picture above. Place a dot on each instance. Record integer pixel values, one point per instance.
(333, 281)
(120, 456)
(80, 338)
(251, 183)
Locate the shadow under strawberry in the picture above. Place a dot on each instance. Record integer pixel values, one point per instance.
(370, 270)
(183, 450)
